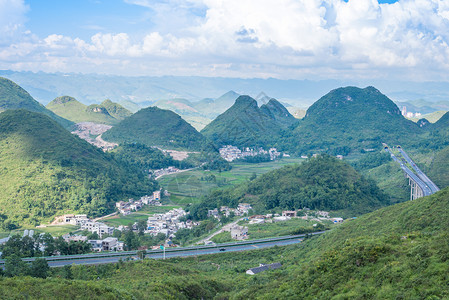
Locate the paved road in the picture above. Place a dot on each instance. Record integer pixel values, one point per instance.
(112, 257)
(424, 187)
(159, 255)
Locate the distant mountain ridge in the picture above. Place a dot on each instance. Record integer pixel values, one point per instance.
(12, 96)
(107, 112)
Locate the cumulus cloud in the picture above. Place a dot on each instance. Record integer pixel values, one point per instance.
(284, 38)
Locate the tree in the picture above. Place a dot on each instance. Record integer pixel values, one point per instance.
(141, 254)
(49, 244)
(67, 272)
(141, 226)
(14, 266)
(39, 268)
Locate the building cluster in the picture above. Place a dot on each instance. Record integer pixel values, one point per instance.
(231, 153)
(289, 214)
(125, 208)
(86, 224)
(107, 244)
(166, 171)
(409, 114)
(168, 223)
(241, 210)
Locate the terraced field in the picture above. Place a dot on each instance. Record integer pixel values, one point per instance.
(188, 187)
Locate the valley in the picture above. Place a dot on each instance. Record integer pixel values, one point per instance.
(149, 182)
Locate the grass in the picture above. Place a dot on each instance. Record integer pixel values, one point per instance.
(124, 220)
(157, 209)
(265, 230)
(188, 187)
(142, 214)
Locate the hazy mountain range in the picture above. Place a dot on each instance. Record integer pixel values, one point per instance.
(93, 88)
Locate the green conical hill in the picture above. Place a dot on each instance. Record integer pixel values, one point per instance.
(351, 118)
(153, 126)
(276, 111)
(12, 96)
(322, 183)
(243, 125)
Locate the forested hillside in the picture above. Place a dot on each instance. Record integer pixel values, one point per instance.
(46, 170)
(153, 126)
(244, 125)
(351, 119)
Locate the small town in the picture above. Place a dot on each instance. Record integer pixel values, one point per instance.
(231, 153)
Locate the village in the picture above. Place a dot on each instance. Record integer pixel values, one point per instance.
(231, 153)
(168, 224)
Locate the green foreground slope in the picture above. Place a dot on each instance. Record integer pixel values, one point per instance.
(397, 252)
(46, 170)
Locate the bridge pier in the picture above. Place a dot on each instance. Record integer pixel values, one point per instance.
(415, 191)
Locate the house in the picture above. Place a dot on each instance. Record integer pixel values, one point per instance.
(100, 228)
(109, 244)
(157, 195)
(120, 204)
(337, 220)
(323, 214)
(281, 219)
(239, 232)
(213, 213)
(289, 213)
(97, 245)
(75, 238)
(262, 268)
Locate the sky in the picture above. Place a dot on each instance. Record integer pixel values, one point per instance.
(285, 39)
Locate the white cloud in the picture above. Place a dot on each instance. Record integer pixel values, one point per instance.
(284, 38)
(12, 17)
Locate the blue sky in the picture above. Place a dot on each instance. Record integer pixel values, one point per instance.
(301, 39)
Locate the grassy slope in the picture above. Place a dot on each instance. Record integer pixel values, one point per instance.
(107, 113)
(397, 252)
(187, 187)
(432, 117)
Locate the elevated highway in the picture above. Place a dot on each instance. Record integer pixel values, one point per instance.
(433, 187)
(420, 184)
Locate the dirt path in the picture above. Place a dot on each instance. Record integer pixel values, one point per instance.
(227, 227)
(180, 171)
(107, 216)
